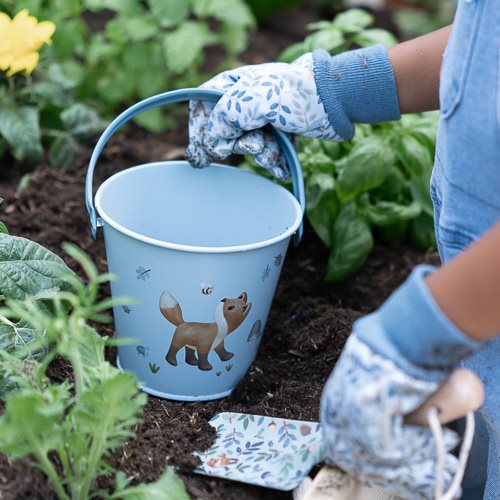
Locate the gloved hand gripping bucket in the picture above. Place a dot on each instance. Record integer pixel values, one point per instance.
(201, 250)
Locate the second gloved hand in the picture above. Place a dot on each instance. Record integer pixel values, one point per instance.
(396, 357)
(280, 94)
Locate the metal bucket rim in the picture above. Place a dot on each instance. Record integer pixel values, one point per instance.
(196, 248)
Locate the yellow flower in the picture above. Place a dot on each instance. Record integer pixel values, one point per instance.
(21, 39)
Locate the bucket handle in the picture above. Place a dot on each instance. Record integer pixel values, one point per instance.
(178, 96)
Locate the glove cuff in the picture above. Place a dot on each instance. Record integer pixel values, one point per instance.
(410, 328)
(357, 86)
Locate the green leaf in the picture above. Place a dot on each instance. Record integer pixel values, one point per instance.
(170, 12)
(139, 57)
(423, 127)
(91, 348)
(109, 424)
(152, 120)
(387, 213)
(317, 187)
(327, 40)
(82, 121)
(32, 421)
(184, 45)
(27, 268)
(115, 87)
(127, 7)
(322, 205)
(168, 487)
(140, 28)
(322, 217)
(319, 25)
(15, 336)
(121, 481)
(68, 39)
(413, 22)
(352, 242)
(234, 38)
(373, 36)
(56, 89)
(63, 151)
(150, 82)
(21, 129)
(364, 168)
(292, 52)
(422, 232)
(332, 149)
(414, 156)
(3, 228)
(353, 20)
(99, 49)
(24, 183)
(313, 163)
(392, 186)
(420, 190)
(233, 12)
(116, 32)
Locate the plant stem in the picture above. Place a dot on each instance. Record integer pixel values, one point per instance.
(95, 455)
(51, 472)
(12, 87)
(76, 362)
(65, 463)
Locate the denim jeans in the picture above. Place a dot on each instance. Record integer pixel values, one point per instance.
(465, 190)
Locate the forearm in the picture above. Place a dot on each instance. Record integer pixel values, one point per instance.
(468, 288)
(416, 65)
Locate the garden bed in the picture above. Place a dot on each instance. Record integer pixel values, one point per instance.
(306, 329)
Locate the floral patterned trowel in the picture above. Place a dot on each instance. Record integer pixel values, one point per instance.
(272, 452)
(279, 453)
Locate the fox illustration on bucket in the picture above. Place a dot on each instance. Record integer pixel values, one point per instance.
(199, 339)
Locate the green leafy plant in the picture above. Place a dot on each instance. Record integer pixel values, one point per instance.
(74, 424)
(377, 185)
(350, 28)
(118, 52)
(37, 103)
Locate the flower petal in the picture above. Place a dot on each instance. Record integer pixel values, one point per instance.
(26, 63)
(44, 31)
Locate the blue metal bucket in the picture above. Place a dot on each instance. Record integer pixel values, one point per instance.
(201, 251)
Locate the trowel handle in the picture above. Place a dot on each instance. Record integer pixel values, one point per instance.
(460, 393)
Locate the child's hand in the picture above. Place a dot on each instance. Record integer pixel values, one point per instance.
(396, 357)
(362, 412)
(283, 95)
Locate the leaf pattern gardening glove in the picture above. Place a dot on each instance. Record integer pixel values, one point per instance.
(315, 96)
(395, 358)
(280, 94)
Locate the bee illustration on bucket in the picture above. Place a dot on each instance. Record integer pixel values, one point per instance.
(199, 339)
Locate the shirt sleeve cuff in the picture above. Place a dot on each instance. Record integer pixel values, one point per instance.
(411, 328)
(357, 86)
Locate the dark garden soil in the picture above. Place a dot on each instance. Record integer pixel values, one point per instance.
(306, 329)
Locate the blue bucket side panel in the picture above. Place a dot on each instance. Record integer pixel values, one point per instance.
(196, 283)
